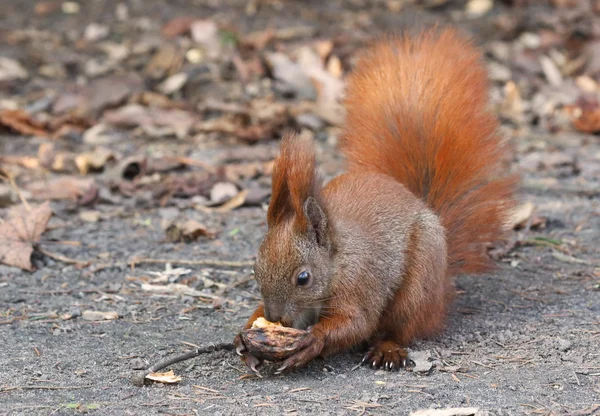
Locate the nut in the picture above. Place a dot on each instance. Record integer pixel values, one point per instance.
(263, 323)
(271, 341)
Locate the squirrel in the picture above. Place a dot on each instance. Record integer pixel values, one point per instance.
(370, 257)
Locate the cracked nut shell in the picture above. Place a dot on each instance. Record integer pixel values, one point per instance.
(272, 342)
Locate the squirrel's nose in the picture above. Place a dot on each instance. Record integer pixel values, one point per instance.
(272, 312)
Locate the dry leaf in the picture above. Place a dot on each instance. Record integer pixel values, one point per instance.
(585, 115)
(477, 8)
(177, 26)
(99, 316)
(551, 71)
(21, 122)
(222, 191)
(291, 73)
(166, 61)
(233, 203)
(101, 93)
(169, 377)
(90, 216)
(206, 33)
(179, 122)
(19, 231)
(520, 215)
(93, 161)
(67, 187)
(11, 70)
(188, 231)
(174, 83)
(240, 171)
(52, 158)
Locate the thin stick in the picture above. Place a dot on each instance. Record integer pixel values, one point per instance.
(13, 184)
(205, 262)
(134, 261)
(62, 258)
(138, 378)
(10, 388)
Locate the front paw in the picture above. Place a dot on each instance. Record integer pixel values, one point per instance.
(248, 359)
(308, 349)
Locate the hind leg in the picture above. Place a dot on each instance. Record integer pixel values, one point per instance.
(418, 308)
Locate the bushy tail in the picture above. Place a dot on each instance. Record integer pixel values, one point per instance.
(417, 111)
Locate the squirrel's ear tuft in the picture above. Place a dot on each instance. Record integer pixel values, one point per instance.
(317, 223)
(280, 206)
(294, 180)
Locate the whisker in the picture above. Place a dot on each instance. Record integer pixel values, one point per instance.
(320, 300)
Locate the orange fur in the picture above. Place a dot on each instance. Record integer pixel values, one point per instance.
(417, 111)
(424, 195)
(294, 180)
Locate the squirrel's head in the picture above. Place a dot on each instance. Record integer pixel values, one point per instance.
(294, 263)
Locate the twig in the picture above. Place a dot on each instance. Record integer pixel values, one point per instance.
(10, 388)
(138, 378)
(62, 258)
(13, 185)
(206, 262)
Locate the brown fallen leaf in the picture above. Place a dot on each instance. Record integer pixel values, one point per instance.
(99, 316)
(101, 93)
(179, 122)
(66, 187)
(19, 231)
(53, 158)
(24, 161)
(21, 122)
(233, 203)
(188, 231)
(585, 115)
(166, 61)
(235, 172)
(169, 377)
(93, 161)
(177, 26)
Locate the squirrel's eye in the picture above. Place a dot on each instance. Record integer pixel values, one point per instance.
(303, 278)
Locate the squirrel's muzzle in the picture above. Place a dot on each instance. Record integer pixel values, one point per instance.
(273, 311)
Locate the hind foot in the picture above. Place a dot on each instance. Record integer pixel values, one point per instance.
(386, 354)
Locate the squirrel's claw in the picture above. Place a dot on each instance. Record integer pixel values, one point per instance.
(239, 345)
(248, 359)
(252, 363)
(387, 355)
(310, 348)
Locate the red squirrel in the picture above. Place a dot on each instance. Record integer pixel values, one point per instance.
(370, 257)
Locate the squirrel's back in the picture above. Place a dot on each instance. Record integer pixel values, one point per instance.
(417, 110)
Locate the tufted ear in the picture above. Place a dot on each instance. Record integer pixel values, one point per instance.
(317, 222)
(281, 204)
(294, 180)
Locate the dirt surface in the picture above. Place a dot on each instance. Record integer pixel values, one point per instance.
(522, 340)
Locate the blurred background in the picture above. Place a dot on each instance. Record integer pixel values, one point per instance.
(171, 81)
